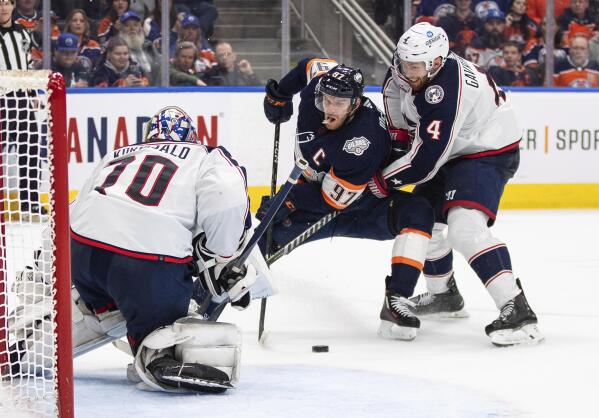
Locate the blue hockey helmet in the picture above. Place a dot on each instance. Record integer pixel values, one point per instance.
(341, 81)
(170, 124)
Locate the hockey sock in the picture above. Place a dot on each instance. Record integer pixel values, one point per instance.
(438, 267)
(494, 268)
(488, 257)
(437, 272)
(409, 252)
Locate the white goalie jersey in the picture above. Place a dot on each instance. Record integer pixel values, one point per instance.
(156, 197)
(460, 113)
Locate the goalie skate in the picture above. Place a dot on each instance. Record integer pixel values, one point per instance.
(397, 320)
(192, 376)
(516, 324)
(449, 304)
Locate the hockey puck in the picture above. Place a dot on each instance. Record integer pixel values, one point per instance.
(320, 348)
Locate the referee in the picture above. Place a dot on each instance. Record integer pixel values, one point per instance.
(17, 116)
(15, 41)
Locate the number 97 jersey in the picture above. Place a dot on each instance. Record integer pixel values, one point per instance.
(149, 200)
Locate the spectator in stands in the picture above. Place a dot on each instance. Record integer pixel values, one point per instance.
(534, 52)
(25, 14)
(512, 72)
(37, 35)
(78, 23)
(203, 9)
(117, 69)
(460, 26)
(65, 61)
(110, 25)
(577, 70)
(433, 10)
(536, 9)
(142, 7)
(190, 31)
(153, 24)
(485, 50)
(94, 9)
(140, 50)
(183, 71)
(577, 19)
(519, 27)
(482, 7)
(229, 72)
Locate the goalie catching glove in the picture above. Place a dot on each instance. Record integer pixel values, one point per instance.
(220, 281)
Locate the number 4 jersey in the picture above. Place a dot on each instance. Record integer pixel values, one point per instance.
(149, 200)
(459, 113)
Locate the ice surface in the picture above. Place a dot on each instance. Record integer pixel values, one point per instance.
(331, 293)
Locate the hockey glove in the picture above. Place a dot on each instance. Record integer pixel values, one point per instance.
(278, 107)
(220, 281)
(401, 142)
(378, 186)
(286, 209)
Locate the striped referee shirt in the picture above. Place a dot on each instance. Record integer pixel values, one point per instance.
(15, 48)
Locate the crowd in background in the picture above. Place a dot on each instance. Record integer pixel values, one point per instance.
(507, 37)
(117, 43)
(110, 43)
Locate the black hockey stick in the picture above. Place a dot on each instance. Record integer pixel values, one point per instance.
(235, 266)
(292, 245)
(301, 238)
(273, 190)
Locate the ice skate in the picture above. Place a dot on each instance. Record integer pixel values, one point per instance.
(397, 320)
(516, 324)
(449, 304)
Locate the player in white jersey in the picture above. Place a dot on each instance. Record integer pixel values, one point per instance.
(132, 229)
(460, 137)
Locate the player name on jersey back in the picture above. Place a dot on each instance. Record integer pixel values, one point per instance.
(155, 197)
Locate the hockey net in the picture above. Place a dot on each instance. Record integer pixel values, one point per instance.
(35, 333)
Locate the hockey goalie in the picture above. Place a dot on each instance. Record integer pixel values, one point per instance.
(151, 232)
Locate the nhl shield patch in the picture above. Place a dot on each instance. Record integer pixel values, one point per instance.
(356, 146)
(434, 94)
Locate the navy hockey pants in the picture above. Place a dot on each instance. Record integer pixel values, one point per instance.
(475, 183)
(149, 294)
(369, 217)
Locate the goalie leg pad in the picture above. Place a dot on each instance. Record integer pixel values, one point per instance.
(90, 331)
(191, 341)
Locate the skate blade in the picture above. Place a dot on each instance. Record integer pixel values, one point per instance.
(527, 335)
(462, 313)
(390, 331)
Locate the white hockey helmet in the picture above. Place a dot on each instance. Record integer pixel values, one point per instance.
(423, 42)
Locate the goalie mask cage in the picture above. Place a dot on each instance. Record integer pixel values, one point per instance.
(35, 303)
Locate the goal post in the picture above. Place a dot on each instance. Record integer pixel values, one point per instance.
(35, 286)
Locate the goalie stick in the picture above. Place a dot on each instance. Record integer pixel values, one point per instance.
(234, 267)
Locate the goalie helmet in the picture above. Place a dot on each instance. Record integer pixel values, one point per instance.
(340, 81)
(423, 42)
(170, 124)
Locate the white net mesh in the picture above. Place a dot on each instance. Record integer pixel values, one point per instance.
(27, 338)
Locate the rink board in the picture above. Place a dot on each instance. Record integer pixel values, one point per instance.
(560, 146)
